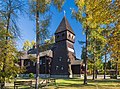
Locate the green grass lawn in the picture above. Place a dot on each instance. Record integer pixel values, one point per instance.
(77, 83)
(92, 84)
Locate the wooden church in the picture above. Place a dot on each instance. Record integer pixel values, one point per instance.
(59, 60)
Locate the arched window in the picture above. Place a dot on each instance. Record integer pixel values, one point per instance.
(56, 67)
(62, 68)
(60, 58)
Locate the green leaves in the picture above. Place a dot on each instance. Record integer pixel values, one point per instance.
(58, 4)
(9, 12)
(102, 35)
(43, 31)
(9, 58)
(27, 45)
(44, 5)
(80, 3)
(8, 31)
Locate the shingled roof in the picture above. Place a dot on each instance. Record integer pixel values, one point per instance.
(64, 25)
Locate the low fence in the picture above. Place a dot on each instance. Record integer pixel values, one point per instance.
(48, 76)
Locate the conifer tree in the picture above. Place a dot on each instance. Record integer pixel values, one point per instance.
(9, 10)
(93, 14)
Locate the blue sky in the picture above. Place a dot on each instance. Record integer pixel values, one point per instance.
(28, 27)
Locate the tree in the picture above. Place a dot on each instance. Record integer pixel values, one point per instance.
(39, 7)
(27, 45)
(83, 53)
(114, 44)
(8, 58)
(51, 40)
(48, 43)
(93, 14)
(33, 43)
(8, 13)
(95, 48)
(109, 64)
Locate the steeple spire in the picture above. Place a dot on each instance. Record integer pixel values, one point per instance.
(64, 26)
(64, 12)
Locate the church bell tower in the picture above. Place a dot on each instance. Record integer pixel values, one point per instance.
(63, 53)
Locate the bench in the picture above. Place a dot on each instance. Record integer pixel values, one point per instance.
(52, 81)
(22, 83)
(47, 82)
(43, 83)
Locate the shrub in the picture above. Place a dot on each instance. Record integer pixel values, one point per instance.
(113, 76)
(31, 75)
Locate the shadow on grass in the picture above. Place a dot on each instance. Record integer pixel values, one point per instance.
(77, 82)
(91, 86)
(91, 81)
(74, 79)
(63, 85)
(12, 87)
(18, 88)
(105, 80)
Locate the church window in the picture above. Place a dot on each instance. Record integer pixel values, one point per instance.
(68, 60)
(60, 58)
(62, 68)
(56, 67)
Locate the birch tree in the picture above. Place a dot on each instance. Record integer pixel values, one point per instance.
(39, 7)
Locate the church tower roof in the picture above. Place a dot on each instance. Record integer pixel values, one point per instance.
(64, 25)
